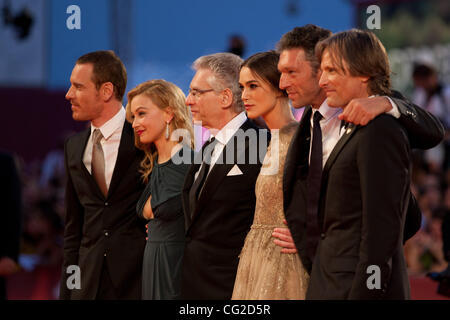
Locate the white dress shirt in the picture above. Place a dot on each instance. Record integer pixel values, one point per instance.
(222, 137)
(112, 132)
(331, 127)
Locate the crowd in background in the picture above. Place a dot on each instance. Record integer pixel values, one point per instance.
(428, 250)
(42, 228)
(43, 204)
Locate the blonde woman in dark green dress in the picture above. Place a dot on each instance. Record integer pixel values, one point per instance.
(156, 109)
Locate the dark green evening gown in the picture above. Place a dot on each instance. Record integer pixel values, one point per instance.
(163, 255)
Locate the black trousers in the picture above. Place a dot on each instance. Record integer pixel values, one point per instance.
(106, 290)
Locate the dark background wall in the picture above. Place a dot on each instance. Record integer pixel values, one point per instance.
(34, 121)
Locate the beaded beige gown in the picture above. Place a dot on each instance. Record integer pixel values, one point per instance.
(264, 273)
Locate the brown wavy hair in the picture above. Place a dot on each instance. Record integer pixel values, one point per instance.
(364, 55)
(164, 95)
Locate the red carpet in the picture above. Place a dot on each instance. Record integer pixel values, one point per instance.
(43, 284)
(423, 288)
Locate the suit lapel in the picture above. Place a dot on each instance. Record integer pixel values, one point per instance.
(351, 129)
(298, 152)
(79, 152)
(219, 172)
(213, 180)
(188, 182)
(124, 156)
(348, 134)
(81, 146)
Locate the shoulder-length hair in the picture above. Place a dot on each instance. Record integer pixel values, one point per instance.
(363, 54)
(164, 95)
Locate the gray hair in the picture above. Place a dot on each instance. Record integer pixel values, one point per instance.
(225, 68)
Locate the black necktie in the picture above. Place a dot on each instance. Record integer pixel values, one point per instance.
(198, 183)
(313, 184)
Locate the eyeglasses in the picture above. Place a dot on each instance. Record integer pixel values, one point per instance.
(196, 93)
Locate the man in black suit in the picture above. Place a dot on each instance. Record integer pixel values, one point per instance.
(11, 200)
(103, 235)
(365, 181)
(300, 78)
(219, 191)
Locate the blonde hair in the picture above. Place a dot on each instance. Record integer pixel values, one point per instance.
(164, 95)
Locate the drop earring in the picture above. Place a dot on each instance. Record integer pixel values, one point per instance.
(167, 131)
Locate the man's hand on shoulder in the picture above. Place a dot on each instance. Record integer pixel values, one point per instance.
(363, 110)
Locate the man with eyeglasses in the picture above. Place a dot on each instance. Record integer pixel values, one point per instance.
(219, 189)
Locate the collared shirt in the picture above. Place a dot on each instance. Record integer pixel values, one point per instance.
(331, 126)
(223, 136)
(112, 132)
(394, 111)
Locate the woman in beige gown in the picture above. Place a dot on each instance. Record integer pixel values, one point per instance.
(264, 271)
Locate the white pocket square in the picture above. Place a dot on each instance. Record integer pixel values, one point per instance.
(235, 171)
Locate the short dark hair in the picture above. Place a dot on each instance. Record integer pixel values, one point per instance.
(107, 67)
(364, 55)
(305, 38)
(264, 64)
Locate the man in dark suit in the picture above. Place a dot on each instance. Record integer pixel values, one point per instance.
(103, 235)
(300, 78)
(365, 181)
(11, 200)
(219, 190)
